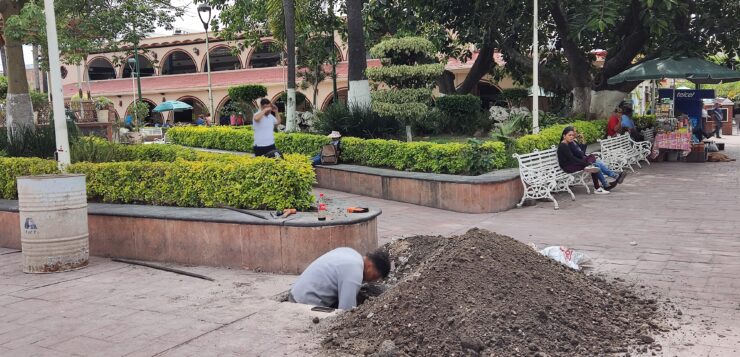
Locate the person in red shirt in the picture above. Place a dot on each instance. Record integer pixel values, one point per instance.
(613, 126)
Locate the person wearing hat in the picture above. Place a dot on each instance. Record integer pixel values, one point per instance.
(336, 143)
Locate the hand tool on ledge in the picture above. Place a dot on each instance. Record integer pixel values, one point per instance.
(357, 210)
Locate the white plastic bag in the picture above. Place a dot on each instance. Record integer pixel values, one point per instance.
(566, 256)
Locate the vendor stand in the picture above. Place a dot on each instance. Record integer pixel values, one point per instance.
(672, 132)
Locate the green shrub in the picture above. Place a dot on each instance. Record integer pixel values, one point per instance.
(359, 122)
(454, 158)
(3, 88)
(406, 113)
(90, 149)
(36, 142)
(407, 76)
(462, 112)
(235, 181)
(12, 168)
(102, 103)
(401, 96)
(247, 93)
(644, 121)
(405, 50)
(591, 130)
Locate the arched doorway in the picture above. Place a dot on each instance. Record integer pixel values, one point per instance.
(264, 56)
(100, 69)
(189, 116)
(222, 60)
(489, 94)
(178, 62)
(302, 103)
(145, 67)
(341, 94)
(151, 118)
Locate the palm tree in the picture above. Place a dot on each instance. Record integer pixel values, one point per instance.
(359, 88)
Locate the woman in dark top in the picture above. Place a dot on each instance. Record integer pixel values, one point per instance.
(571, 163)
(578, 148)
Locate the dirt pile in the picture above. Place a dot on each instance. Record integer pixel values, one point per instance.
(486, 294)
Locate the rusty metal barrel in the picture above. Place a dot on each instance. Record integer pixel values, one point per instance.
(53, 218)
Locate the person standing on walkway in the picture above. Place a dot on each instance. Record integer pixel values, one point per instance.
(717, 117)
(264, 123)
(334, 279)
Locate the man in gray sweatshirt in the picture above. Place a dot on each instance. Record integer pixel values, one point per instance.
(335, 278)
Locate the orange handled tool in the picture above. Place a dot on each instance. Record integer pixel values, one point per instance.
(357, 210)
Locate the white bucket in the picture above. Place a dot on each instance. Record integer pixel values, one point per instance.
(53, 218)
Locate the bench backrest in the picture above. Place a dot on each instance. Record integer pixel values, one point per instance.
(538, 164)
(615, 143)
(149, 134)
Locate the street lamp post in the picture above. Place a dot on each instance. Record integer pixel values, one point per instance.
(535, 74)
(204, 10)
(133, 65)
(60, 124)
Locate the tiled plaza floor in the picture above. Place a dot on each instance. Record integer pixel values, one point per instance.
(672, 227)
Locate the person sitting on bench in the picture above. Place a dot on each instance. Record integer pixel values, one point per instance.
(329, 153)
(334, 279)
(579, 151)
(570, 163)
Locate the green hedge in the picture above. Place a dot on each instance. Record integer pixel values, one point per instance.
(227, 179)
(415, 156)
(591, 130)
(12, 168)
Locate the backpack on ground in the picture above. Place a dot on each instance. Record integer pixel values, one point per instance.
(329, 155)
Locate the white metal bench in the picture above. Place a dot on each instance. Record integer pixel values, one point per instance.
(151, 134)
(541, 175)
(619, 153)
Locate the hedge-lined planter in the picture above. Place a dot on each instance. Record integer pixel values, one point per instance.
(258, 183)
(591, 130)
(452, 158)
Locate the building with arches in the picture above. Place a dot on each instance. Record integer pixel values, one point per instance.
(174, 68)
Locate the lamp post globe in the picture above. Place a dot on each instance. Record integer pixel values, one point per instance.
(204, 12)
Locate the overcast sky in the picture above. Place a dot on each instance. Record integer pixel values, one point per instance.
(189, 23)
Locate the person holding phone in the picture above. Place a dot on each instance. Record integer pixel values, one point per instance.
(264, 123)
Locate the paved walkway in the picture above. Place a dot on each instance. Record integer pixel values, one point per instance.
(682, 217)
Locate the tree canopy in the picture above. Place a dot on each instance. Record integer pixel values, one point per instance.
(570, 30)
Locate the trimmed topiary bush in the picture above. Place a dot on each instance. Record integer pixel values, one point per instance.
(462, 112)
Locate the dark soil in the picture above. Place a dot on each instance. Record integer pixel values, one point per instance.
(487, 294)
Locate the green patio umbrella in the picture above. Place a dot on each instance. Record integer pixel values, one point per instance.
(695, 69)
(172, 105)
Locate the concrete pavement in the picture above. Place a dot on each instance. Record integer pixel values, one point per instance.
(672, 228)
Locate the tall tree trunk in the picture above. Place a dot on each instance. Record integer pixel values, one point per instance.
(579, 66)
(289, 8)
(359, 87)
(19, 112)
(481, 66)
(36, 70)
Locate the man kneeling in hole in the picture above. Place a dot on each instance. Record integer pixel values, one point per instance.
(334, 279)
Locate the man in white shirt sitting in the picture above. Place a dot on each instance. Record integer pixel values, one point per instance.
(264, 123)
(335, 278)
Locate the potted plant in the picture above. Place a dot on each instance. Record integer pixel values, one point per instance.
(102, 107)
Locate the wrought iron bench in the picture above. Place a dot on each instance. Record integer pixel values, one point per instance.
(541, 176)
